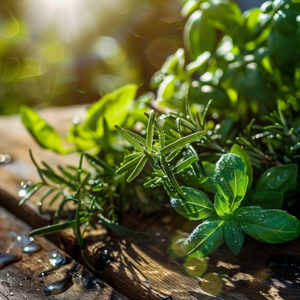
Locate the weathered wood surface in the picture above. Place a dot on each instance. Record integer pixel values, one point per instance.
(19, 280)
(147, 269)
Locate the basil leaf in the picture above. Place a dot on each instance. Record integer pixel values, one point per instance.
(234, 236)
(120, 230)
(266, 199)
(113, 107)
(279, 179)
(205, 238)
(43, 133)
(236, 149)
(270, 225)
(195, 205)
(230, 180)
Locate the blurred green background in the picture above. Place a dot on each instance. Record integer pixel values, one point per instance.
(62, 52)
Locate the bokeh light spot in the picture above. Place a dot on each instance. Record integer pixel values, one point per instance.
(176, 245)
(195, 266)
(159, 49)
(9, 26)
(212, 284)
(109, 50)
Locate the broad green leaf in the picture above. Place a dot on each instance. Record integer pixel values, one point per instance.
(114, 107)
(174, 63)
(236, 149)
(189, 7)
(270, 225)
(167, 88)
(266, 199)
(199, 36)
(43, 133)
(83, 138)
(230, 180)
(182, 142)
(234, 236)
(120, 230)
(198, 64)
(205, 238)
(280, 179)
(195, 205)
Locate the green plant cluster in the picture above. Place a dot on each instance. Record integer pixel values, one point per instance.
(225, 146)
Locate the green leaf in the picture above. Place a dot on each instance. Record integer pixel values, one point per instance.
(114, 107)
(270, 225)
(153, 182)
(182, 142)
(150, 130)
(138, 168)
(199, 36)
(99, 162)
(279, 179)
(182, 165)
(129, 165)
(57, 179)
(42, 132)
(198, 64)
(195, 205)
(166, 89)
(131, 140)
(266, 199)
(56, 227)
(77, 225)
(32, 190)
(230, 180)
(234, 236)
(174, 63)
(205, 238)
(120, 230)
(236, 149)
(189, 7)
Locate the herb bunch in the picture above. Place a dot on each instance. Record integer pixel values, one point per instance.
(226, 148)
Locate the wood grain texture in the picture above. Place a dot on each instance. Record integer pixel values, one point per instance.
(19, 280)
(148, 269)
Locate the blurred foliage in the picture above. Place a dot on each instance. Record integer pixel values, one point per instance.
(74, 52)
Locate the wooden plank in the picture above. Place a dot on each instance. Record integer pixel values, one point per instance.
(147, 269)
(19, 280)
